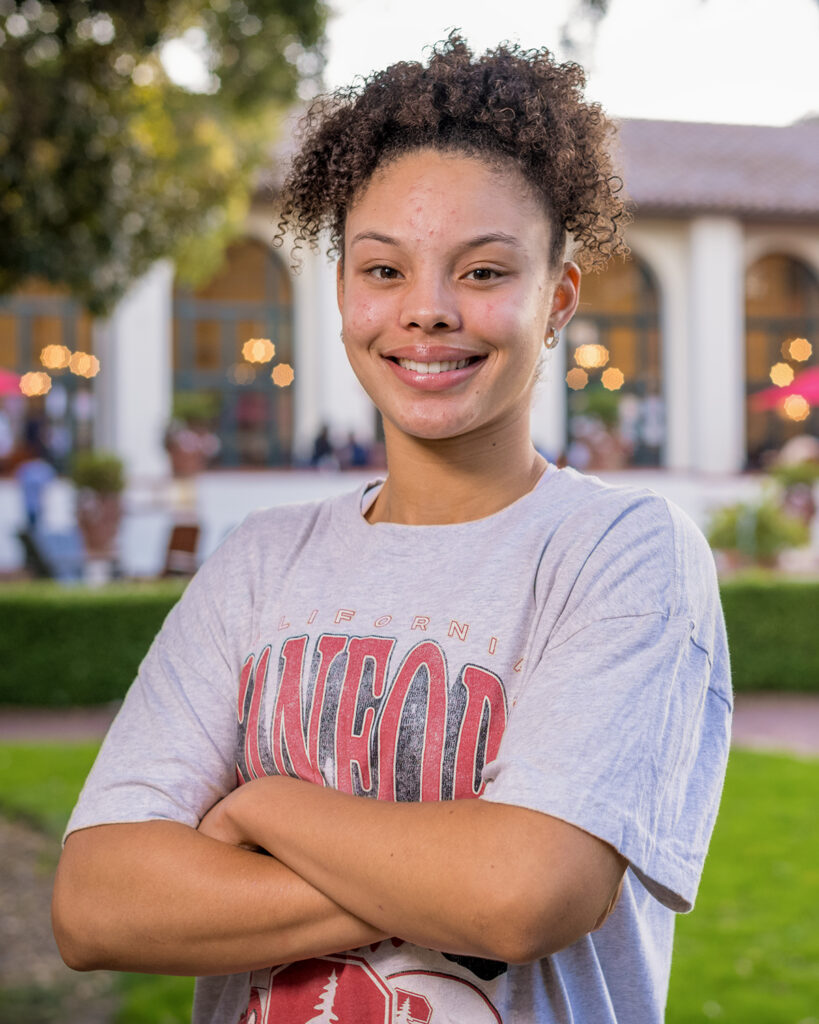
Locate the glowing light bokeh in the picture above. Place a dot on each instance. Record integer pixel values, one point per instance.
(258, 350)
(83, 364)
(35, 383)
(591, 357)
(799, 349)
(781, 374)
(796, 408)
(613, 379)
(283, 375)
(55, 357)
(577, 379)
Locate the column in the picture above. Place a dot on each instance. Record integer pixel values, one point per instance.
(716, 345)
(134, 387)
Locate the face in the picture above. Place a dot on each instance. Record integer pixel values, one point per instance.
(447, 294)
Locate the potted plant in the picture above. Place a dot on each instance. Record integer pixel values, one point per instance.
(797, 480)
(190, 440)
(755, 533)
(100, 479)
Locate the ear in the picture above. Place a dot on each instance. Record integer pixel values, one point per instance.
(340, 284)
(566, 296)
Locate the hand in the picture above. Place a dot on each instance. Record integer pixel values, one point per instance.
(223, 822)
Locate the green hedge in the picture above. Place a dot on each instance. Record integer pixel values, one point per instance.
(73, 646)
(64, 646)
(773, 632)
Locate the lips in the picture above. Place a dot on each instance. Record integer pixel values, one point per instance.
(434, 373)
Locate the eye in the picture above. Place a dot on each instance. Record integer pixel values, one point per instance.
(383, 273)
(482, 274)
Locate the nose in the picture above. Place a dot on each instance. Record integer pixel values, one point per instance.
(430, 306)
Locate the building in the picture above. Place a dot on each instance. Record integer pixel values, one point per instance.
(722, 282)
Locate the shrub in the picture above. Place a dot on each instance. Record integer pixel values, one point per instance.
(98, 471)
(757, 530)
(75, 646)
(772, 626)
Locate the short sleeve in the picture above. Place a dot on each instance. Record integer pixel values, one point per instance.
(170, 752)
(622, 725)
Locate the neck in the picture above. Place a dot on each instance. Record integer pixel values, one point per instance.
(456, 479)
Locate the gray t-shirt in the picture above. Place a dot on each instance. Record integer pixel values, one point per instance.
(566, 654)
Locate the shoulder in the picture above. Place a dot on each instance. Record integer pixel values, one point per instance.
(260, 550)
(628, 550)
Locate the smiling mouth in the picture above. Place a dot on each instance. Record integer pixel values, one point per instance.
(442, 366)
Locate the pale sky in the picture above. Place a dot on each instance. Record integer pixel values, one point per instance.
(741, 61)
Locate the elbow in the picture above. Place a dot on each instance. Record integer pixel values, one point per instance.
(74, 927)
(72, 941)
(525, 930)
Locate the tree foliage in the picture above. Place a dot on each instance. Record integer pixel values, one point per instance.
(105, 163)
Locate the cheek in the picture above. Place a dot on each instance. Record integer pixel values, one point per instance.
(359, 314)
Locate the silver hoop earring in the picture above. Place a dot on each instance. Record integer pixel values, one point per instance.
(553, 338)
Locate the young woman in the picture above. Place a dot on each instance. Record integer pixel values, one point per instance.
(449, 748)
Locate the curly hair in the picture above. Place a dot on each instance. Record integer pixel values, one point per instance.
(508, 106)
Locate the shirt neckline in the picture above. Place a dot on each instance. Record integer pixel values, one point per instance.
(349, 518)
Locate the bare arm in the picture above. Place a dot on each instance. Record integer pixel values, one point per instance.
(464, 876)
(158, 896)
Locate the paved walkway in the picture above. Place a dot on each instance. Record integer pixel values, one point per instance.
(762, 721)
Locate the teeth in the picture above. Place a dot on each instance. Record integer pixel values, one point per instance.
(439, 367)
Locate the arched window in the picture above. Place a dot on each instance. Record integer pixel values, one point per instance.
(781, 342)
(44, 330)
(615, 403)
(248, 298)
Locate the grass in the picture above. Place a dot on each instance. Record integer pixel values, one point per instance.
(748, 954)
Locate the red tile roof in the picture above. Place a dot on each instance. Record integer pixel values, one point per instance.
(754, 171)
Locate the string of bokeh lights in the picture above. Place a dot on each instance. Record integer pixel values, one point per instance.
(594, 357)
(256, 351)
(794, 407)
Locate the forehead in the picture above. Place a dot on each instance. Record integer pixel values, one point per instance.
(437, 192)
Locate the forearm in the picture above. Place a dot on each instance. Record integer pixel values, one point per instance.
(463, 876)
(160, 897)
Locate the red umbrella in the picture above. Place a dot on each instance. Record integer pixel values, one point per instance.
(9, 382)
(805, 384)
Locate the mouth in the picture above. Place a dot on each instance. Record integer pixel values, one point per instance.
(435, 375)
(435, 367)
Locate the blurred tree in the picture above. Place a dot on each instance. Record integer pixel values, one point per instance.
(106, 163)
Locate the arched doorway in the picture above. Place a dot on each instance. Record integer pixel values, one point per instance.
(616, 410)
(781, 341)
(43, 330)
(248, 298)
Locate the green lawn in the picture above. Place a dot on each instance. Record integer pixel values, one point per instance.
(748, 954)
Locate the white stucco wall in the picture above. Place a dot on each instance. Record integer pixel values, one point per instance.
(796, 240)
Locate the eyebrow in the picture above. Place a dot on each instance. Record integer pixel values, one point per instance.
(471, 243)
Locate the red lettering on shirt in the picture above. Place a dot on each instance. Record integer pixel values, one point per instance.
(355, 746)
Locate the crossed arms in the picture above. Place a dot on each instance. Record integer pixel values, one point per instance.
(462, 876)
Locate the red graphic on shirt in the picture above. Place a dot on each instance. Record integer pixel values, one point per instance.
(347, 989)
(334, 990)
(426, 656)
(347, 716)
(422, 991)
(412, 1008)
